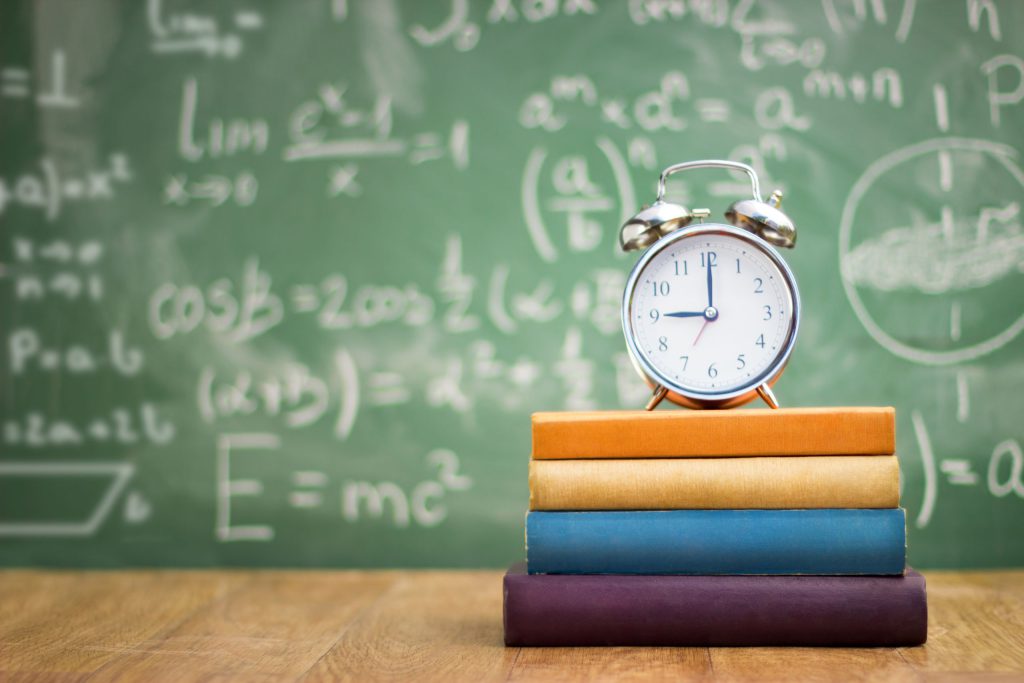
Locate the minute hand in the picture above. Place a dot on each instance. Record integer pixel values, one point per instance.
(684, 314)
(710, 299)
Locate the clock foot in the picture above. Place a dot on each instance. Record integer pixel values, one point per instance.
(659, 394)
(765, 392)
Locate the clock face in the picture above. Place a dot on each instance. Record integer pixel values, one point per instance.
(711, 312)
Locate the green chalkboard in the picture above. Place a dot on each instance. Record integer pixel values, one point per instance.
(282, 282)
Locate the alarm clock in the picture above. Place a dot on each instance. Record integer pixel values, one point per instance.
(710, 311)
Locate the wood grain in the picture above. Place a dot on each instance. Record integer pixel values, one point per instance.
(277, 625)
(78, 621)
(431, 626)
(70, 627)
(975, 623)
(612, 664)
(770, 664)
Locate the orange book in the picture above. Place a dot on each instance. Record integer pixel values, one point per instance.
(714, 433)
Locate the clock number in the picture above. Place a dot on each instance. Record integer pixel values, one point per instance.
(712, 259)
(685, 269)
(740, 362)
(759, 287)
(767, 312)
(663, 343)
(654, 315)
(661, 288)
(760, 340)
(737, 266)
(686, 360)
(712, 371)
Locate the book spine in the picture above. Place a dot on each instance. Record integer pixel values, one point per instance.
(828, 541)
(715, 483)
(656, 434)
(558, 610)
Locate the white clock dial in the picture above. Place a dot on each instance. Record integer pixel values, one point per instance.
(711, 313)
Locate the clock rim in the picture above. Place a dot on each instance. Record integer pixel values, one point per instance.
(710, 398)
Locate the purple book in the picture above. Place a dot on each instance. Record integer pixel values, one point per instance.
(583, 610)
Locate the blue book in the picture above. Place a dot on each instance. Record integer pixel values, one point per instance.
(827, 541)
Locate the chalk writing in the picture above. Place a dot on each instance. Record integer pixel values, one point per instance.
(26, 352)
(116, 473)
(52, 93)
(336, 126)
(306, 262)
(464, 34)
(124, 426)
(213, 190)
(884, 85)
(219, 138)
(1004, 471)
(997, 97)
(52, 187)
(952, 251)
(423, 504)
(576, 199)
(56, 268)
(655, 110)
(844, 16)
(240, 312)
(180, 32)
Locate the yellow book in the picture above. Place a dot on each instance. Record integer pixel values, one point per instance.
(852, 481)
(711, 433)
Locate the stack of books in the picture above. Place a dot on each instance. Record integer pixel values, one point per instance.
(753, 527)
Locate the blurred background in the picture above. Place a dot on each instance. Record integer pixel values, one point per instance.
(283, 282)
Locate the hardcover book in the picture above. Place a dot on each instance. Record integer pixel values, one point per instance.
(611, 609)
(853, 481)
(711, 433)
(827, 541)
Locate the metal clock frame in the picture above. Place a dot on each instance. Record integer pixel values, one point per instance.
(664, 387)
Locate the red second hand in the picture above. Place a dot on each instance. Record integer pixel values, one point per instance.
(706, 321)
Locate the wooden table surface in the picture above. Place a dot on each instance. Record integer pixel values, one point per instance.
(425, 625)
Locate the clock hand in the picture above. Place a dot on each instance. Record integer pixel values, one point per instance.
(684, 314)
(710, 301)
(700, 332)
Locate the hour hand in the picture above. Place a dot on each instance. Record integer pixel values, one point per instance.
(685, 314)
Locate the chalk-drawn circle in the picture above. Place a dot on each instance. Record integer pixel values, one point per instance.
(936, 280)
